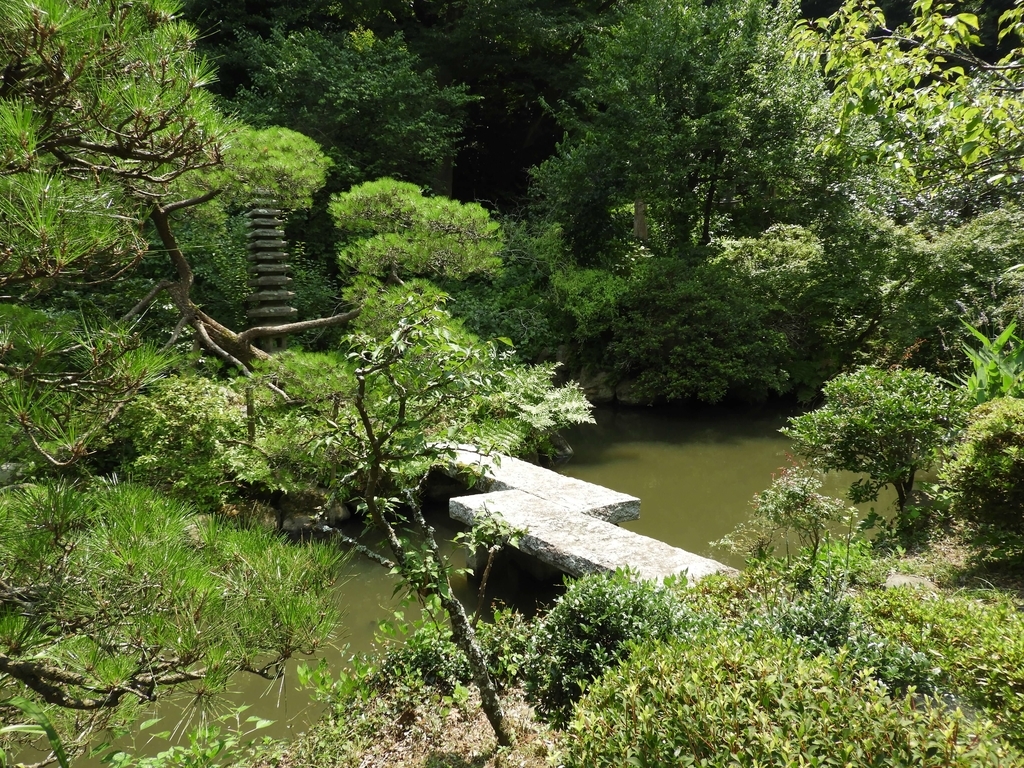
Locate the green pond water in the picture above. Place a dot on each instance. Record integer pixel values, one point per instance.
(695, 471)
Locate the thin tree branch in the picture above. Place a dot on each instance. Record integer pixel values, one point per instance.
(147, 300)
(260, 331)
(178, 205)
(175, 334)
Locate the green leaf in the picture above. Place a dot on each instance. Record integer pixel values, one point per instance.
(34, 712)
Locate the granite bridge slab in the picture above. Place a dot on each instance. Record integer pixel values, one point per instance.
(571, 524)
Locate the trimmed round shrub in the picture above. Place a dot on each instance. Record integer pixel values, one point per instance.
(428, 655)
(733, 701)
(986, 475)
(589, 630)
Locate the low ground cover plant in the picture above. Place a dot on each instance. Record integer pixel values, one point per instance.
(732, 700)
(975, 639)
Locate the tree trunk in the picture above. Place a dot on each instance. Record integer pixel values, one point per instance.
(904, 488)
(465, 639)
(640, 220)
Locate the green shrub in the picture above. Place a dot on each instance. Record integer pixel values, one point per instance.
(978, 644)
(589, 630)
(516, 301)
(701, 331)
(821, 620)
(187, 435)
(424, 652)
(793, 503)
(986, 475)
(885, 424)
(733, 701)
(824, 622)
(506, 645)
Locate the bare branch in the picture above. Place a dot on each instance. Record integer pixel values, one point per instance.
(146, 300)
(261, 331)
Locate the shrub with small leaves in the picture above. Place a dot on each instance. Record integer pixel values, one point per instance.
(506, 644)
(793, 504)
(428, 654)
(976, 640)
(731, 700)
(187, 435)
(590, 629)
(986, 475)
(823, 622)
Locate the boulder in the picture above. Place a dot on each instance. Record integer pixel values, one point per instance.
(306, 506)
(906, 580)
(9, 473)
(626, 393)
(597, 386)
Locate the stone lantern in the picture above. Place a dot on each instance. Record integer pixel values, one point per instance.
(268, 274)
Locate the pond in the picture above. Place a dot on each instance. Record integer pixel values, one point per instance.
(694, 469)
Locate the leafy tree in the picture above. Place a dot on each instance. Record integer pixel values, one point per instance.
(393, 408)
(517, 57)
(111, 104)
(792, 504)
(887, 425)
(945, 114)
(693, 113)
(394, 229)
(369, 101)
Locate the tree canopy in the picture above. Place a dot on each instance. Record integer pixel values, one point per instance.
(945, 113)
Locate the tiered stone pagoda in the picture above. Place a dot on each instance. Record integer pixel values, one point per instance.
(269, 274)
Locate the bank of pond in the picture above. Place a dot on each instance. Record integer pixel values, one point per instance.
(802, 659)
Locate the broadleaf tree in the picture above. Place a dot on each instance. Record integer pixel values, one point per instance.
(945, 115)
(888, 425)
(692, 124)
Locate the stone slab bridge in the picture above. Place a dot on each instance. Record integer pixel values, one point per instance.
(572, 525)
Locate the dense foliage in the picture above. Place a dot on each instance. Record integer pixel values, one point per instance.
(674, 200)
(984, 666)
(887, 425)
(984, 476)
(110, 595)
(590, 630)
(754, 701)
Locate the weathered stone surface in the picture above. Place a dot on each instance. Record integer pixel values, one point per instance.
(507, 474)
(906, 580)
(579, 544)
(625, 393)
(596, 386)
(9, 473)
